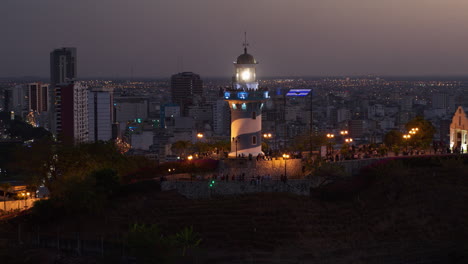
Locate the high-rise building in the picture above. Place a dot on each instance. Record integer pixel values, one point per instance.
(221, 118)
(38, 97)
(71, 105)
(185, 86)
(246, 101)
(63, 66)
(100, 114)
(29, 101)
(17, 100)
(63, 70)
(131, 108)
(443, 101)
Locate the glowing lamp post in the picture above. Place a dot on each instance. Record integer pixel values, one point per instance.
(267, 136)
(330, 137)
(406, 137)
(285, 157)
(200, 135)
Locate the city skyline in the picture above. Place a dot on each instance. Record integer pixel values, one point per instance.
(295, 38)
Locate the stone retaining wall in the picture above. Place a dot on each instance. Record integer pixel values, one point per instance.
(275, 168)
(201, 189)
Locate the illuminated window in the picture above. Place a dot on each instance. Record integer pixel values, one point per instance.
(254, 140)
(234, 106)
(254, 115)
(244, 106)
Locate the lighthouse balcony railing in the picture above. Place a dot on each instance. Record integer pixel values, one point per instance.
(246, 95)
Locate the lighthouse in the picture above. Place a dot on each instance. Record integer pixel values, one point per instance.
(246, 101)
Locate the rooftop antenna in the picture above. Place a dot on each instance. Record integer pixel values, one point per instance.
(246, 44)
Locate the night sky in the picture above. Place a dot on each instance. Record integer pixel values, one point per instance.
(288, 37)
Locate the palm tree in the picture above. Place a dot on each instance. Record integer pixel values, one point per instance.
(186, 238)
(5, 188)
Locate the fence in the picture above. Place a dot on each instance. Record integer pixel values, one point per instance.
(17, 204)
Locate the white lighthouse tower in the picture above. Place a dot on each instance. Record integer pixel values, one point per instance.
(246, 101)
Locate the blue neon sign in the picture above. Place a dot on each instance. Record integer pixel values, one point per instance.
(242, 95)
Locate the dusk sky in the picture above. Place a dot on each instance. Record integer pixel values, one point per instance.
(158, 38)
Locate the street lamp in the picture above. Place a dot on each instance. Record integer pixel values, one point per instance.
(406, 137)
(200, 135)
(235, 140)
(267, 136)
(330, 136)
(285, 157)
(190, 157)
(348, 140)
(27, 197)
(344, 132)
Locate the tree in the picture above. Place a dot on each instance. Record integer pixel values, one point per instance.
(393, 138)
(425, 133)
(186, 239)
(303, 141)
(181, 146)
(53, 165)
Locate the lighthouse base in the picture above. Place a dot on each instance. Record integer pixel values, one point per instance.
(246, 152)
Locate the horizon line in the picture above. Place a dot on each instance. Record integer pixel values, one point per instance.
(266, 77)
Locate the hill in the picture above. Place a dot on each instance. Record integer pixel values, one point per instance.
(402, 214)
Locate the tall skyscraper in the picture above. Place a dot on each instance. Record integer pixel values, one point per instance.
(101, 114)
(63, 70)
(246, 101)
(71, 112)
(38, 97)
(63, 66)
(184, 87)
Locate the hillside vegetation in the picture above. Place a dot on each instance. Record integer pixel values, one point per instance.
(400, 211)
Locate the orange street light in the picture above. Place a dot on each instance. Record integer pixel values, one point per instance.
(199, 135)
(285, 157)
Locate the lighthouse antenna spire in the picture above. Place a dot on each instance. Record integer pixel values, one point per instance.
(245, 44)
